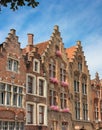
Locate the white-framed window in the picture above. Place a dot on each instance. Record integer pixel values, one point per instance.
(2, 93)
(31, 113)
(10, 125)
(36, 65)
(31, 84)
(42, 86)
(11, 95)
(63, 100)
(15, 93)
(12, 64)
(42, 114)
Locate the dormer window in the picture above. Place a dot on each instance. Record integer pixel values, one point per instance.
(12, 65)
(36, 66)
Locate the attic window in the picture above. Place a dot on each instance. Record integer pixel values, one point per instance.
(12, 65)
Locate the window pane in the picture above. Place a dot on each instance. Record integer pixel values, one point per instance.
(21, 126)
(5, 125)
(41, 87)
(30, 84)
(8, 94)
(17, 126)
(29, 114)
(36, 66)
(41, 114)
(2, 93)
(20, 100)
(0, 125)
(10, 62)
(11, 125)
(15, 65)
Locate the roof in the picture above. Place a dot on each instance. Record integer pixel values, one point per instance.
(42, 46)
(70, 52)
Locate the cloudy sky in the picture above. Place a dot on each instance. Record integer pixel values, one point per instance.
(77, 20)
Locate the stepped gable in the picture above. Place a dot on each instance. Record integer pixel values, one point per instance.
(42, 47)
(70, 52)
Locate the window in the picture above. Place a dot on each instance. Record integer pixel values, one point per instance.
(52, 97)
(54, 125)
(85, 111)
(41, 87)
(20, 97)
(52, 71)
(8, 94)
(79, 63)
(79, 66)
(64, 125)
(12, 65)
(15, 95)
(63, 101)
(76, 86)
(77, 110)
(11, 125)
(30, 84)
(6, 125)
(84, 88)
(2, 93)
(62, 74)
(41, 114)
(96, 111)
(0, 125)
(29, 114)
(36, 65)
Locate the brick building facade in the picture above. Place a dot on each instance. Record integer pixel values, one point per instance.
(97, 101)
(45, 86)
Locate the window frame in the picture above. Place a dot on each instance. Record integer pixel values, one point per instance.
(34, 83)
(52, 69)
(45, 114)
(11, 66)
(37, 70)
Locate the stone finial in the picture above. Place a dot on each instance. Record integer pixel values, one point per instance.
(12, 31)
(56, 27)
(78, 43)
(30, 39)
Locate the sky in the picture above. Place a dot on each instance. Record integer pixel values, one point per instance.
(77, 20)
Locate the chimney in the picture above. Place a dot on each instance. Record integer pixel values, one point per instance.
(30, 39)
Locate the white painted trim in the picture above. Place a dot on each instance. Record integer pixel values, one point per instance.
(36, 60)
(45, 113)
(34, 83)
(34, 112)
(45, 86)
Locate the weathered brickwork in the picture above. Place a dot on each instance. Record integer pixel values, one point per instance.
(47, 87)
